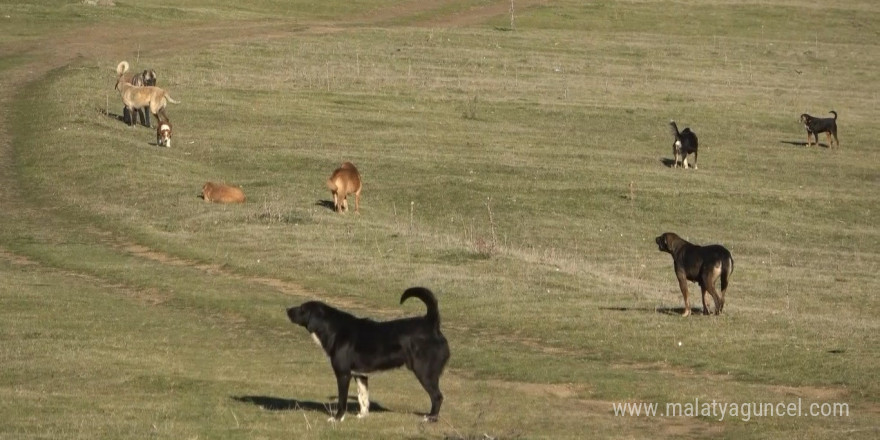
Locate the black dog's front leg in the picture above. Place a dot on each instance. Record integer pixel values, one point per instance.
(343, 379)
(146, 113)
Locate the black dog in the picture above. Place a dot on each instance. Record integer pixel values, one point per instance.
(145, 78)
(357, 346)
(701, 264)
(815, 126)
(685, 144)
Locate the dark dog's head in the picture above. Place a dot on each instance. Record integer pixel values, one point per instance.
(149, 77)
(308, 314)
(665, 241)
(805, 119)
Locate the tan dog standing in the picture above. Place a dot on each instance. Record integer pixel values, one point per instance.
(145, 78)
(221, 193)
(345, 180)
(703, 265)
(141, 98)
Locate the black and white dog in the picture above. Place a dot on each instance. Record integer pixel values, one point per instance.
(358, 346)
(685, 144)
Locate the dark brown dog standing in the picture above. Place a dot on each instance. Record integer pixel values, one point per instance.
(815, 126)
(703, 265)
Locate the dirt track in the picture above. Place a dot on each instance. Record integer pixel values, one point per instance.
(115, 41)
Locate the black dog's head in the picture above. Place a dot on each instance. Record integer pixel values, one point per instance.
(805, 119)
(149, 77)
(308, 314)
(663, 241)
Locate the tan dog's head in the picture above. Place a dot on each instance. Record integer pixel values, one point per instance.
(666, 241)
(163, 135)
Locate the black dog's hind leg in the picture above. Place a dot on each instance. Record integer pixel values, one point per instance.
(432, 387)
(146, 113)
(705, 297)
(363, 396)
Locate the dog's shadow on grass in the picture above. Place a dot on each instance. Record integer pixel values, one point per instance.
(327, 204)
(124, 117)
(669, 163)
(280, 404)
(674, 311)
(802, 144)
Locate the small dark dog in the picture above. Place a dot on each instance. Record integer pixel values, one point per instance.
(703, 265)
(685, 144)
(815, 126)
(358, 346)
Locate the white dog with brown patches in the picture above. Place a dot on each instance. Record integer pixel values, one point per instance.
(163, 135)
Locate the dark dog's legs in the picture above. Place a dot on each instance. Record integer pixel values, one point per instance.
(343, 379)
(695, 159)
(708, 283)
(132, 117)
(724, 280)
(682, 283)
(705, 297)
(146, 114)
(431, 384)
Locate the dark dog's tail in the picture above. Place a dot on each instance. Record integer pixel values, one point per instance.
(427, 297)
(835, 114)
(726, 272)
(675, 131)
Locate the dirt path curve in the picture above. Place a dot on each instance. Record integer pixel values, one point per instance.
(115, 41)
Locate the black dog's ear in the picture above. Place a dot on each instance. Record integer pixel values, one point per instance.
(315, 316)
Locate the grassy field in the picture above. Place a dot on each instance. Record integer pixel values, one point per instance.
(518, 168)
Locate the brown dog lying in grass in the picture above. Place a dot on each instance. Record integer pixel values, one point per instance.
(142, 98)
(221, 193)
(345, 180)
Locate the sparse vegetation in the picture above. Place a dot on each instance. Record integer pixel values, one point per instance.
(133, 309)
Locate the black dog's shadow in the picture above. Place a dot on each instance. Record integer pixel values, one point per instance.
(327, 204)
(280, 404)
(802, 144)
(675, 311)
(668, 162)
(124, 117)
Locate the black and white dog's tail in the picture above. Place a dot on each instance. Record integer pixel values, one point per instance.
(674, 129)
(427, 297)
(835, 114)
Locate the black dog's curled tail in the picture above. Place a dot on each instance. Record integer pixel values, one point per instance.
(674, 129)
(427, 297)
(835, 114)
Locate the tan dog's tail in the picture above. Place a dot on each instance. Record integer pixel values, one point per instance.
(170, 99)
(122, 67)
